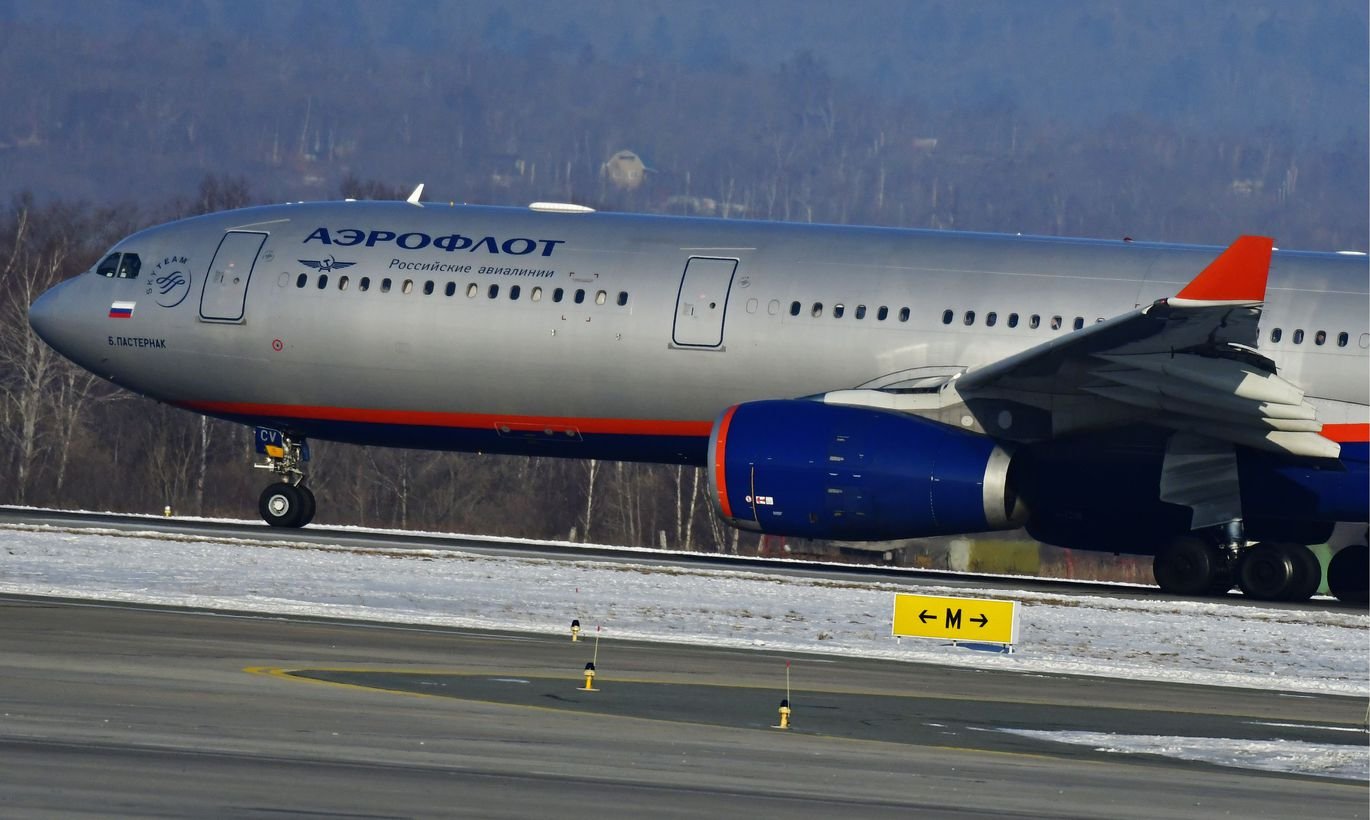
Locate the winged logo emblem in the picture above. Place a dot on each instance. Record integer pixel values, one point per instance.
(326, 264)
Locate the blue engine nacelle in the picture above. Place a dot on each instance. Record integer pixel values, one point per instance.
(812, 470)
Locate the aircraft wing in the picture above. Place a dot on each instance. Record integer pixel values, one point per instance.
(1188, 363)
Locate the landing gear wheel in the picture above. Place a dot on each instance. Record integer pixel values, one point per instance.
(1185, 566)
(307, 506)
(1348, 574)
(282, 505)
(1267, 572)
(1307, 573)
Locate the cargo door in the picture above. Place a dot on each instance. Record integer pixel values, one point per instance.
(225, 293)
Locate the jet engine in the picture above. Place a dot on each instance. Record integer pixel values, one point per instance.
(813, 470)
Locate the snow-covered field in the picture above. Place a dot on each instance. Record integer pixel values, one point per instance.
(1304, 650)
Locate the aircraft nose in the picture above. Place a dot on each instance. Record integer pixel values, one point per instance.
(42, 314)
(46, 317)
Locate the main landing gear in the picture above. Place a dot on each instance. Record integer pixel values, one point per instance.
(1210, 563)
(288, 502)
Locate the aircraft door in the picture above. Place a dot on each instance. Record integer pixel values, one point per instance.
(225, 292)
(703, 301)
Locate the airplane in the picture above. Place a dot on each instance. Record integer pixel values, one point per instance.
(1209, 407)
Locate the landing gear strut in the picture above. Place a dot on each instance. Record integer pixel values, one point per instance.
(288, 502)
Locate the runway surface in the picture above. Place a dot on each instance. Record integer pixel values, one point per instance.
(135, 711)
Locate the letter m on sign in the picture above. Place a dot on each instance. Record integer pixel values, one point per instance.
(953, 618)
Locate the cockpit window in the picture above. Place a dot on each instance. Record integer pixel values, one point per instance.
(109, 266)
(129, 265)
(120, 266)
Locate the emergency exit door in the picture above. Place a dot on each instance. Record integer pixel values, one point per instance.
(703, 301)
(225, 290)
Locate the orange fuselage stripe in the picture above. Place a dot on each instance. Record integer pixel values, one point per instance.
(1347, 433)
(424, 418)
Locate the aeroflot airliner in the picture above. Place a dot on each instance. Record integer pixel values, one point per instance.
(1205, 406)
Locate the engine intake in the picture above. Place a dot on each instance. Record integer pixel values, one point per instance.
(812, 470)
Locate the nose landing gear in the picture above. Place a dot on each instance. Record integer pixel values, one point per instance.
(288, 502)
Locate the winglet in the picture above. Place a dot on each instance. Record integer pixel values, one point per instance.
(1236, 277)
(414, 197)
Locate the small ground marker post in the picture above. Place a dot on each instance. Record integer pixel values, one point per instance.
(590, 667)
(785, 704)
(575, 630)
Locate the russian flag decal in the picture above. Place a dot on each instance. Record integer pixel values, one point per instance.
(122, 310)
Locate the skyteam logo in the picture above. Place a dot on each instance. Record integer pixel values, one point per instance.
(170, 281)
(326, 264)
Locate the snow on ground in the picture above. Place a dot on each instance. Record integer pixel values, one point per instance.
(1304, 650)
(1295, 757)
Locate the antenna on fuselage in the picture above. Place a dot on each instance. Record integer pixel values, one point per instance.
(414, 197)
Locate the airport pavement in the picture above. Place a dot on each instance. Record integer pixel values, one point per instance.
(135, 711)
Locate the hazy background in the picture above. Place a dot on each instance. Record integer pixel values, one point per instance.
(1174, 119)
(1182, 120)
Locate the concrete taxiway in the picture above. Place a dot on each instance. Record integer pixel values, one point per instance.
(135, 711)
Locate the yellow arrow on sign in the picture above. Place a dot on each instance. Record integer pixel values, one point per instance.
(959, 619)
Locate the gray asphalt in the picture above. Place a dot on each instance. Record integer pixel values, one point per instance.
(110, 710)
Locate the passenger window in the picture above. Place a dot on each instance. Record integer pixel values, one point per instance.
(1035, 322)
(342, 282)
(1275, 335)
(837, 310)
(752, 305)
(947, 316)
(772, 307)
(903, 314)
(817, 310)
(385, 285)
(623, 299)
(428, 288)
(408, 286)
(109, 266)
(514, 293)
(323, 281)
(991, 318)
(451, 289)
(301, 280)
(1013, 320)
(556, 295)
(1056, 323)
(493, 292)
(365, 284)
(1343, 339)
(1320, 337)
(969, 318)
(860, 311)
(1079, 322)
(882, 314)
(535, 294)
(1298, 337)
(129, 265)
(580, 295)
(601, 297)
(472, 290)
(794, 308)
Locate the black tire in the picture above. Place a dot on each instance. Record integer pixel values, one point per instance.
(1307, 573)
(1185, 566)
(1348, 574)
(281, 505)
(1266, 572)
(307, 504)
